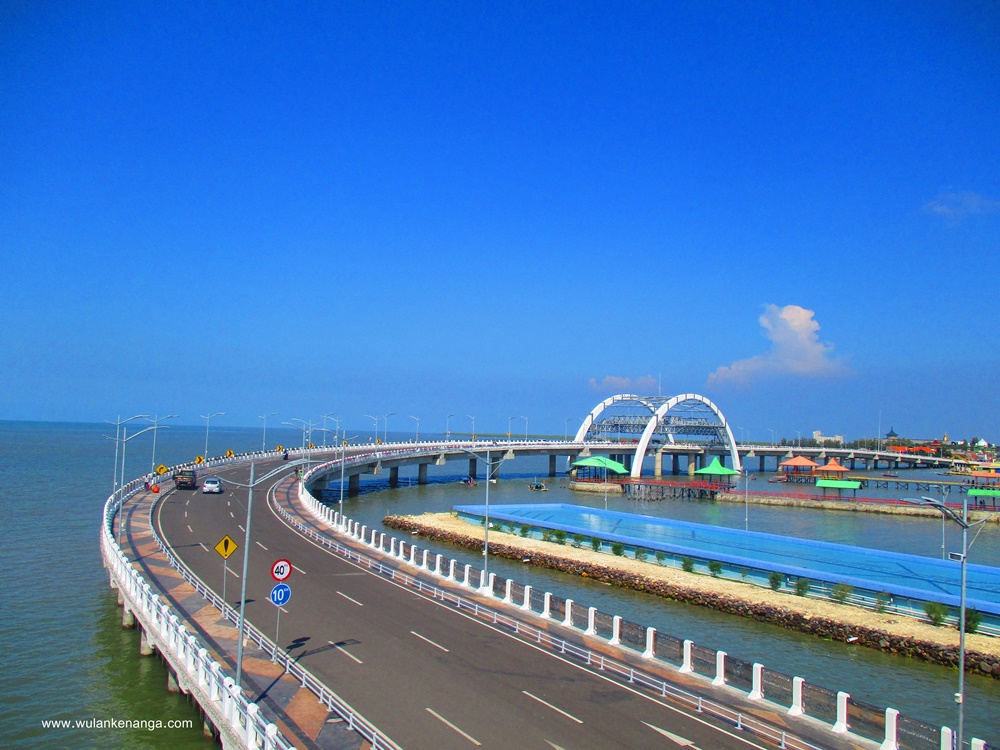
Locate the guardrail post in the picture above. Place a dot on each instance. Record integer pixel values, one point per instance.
(526, 606)
(841, 724)
(468, 572)
(547, 606)
(374, 534)
(437, 565)
(947, 739)
(568, 619)
(364, 531)
(270, 737)
(451, 570)
(756, 693)
(591, 621)
(650, 643)
(507, 591)
(616, 630)
(215, 681)
(490, 584)
(381, 542)
(686, 664)
(977, 744)
(720, 669)
(251, 735)
(482, 580)
(423, 561)
(392, 547)
(796, 709)
(891, 721)
(413, 554)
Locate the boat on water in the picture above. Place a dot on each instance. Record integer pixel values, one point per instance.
(890, 474)
(778, 479)
(537, 486)
(467, 480)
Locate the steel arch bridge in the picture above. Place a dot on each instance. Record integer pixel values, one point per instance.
(659, 422)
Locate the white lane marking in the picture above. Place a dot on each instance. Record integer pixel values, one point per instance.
(231, 514)
(203, 547)
(283, 610)
(344, 651)
(261, 546)
(675, 738)
(440, 718)
(554, 708)
(233, 572)
(350, 599)
(185, 514)
(554, 745)
(299, 569)
(190, 529)
(241, 528)
(428, 640)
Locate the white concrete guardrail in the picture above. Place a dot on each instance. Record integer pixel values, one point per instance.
(240, 722)
(406, 553)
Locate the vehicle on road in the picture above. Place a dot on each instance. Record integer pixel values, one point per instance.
(212, 485)
(185, 479)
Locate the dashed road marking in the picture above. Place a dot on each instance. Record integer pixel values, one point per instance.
(428, 640)
(261, 546)
(554, 708)
(350, 599)
(344, 651)
(440, 718)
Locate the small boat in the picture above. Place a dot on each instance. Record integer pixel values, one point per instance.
(890, 474)
(467, 480)
(538, 486)
(774, 480)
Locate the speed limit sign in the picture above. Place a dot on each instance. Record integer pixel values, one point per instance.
(281, 570)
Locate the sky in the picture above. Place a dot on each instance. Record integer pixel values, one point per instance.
(518, 208)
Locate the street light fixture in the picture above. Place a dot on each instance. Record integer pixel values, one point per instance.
(525, 428)
(473, 425)
(509, 420)
(263, 437)
(375, 418)
(156, 425)
(208, 420)
(447, 428)
(385, 426)
(486, 526)
(963, 521)
(117, 438)
(417, 438)
(124, 441)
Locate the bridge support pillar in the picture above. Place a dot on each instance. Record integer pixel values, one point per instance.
(128, 617)
(393, 476)
(146, 647)
(676, 467)
(422, 474)
(353, 485)
(552, 465)
(473, 467)
(658, 463)
(692, 464)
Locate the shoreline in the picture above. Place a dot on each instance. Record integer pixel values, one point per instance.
(887, 632)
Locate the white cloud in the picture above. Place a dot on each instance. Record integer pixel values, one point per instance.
(955, 205)
(645, 385)
(795, 350)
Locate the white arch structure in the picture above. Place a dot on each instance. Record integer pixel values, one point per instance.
(658, 410)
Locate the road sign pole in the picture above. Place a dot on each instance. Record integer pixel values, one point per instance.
(225, 575)
(277, 627)
(243, 585)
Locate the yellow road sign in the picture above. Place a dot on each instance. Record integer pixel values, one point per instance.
(161, 470)
(199, 459)
(279, 448)
(229, 454)
(226, 547)
(311, 445)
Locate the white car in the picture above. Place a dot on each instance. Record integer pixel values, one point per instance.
(212, 485)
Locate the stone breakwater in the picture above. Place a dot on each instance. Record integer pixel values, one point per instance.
(821, 626)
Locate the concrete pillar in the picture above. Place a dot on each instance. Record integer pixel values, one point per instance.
(353, 485)
(547, 606)
(393, 476)
(413, 553)
(451, 570)
(692, 464)
(121, 596)
(796, 707)
(423, 562)
(757, 691)
(841, 725)
(616, 631)
(658, 463)
(172, 686)
(720, 669)
(568, 619)
(468, 572)
(676, 464)
(422, 474)
(437, 565)
(128, 617)
(527, 599)
(552, 465)
(146, 647)
(507, 591)
(891, 722)
(686, 664)
(473, 464)
(650, 651)
(591, 621)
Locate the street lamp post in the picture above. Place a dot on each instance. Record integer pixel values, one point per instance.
(773, 438)
(117, 439)
(447, 428)
(473, 425)
(263, 437)
(343, 460)
(963, 521)
(156, 425)
(525, 428)
(375, 419)
(125, 437)
(509, 420)
(385, 426)
(417, 435)
(486, 526)
(208, 420)
(336, 421)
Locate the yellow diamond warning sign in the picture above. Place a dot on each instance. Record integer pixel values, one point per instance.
(226, 547)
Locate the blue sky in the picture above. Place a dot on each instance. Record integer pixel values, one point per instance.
(508, 209)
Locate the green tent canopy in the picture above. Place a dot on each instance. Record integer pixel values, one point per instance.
(717, 469)
(602, 462)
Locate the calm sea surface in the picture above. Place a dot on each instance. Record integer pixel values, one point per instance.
(64, 655)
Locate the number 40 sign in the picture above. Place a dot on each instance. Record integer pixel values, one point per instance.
(281, 570)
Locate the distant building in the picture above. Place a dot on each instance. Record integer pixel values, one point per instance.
(822, 439)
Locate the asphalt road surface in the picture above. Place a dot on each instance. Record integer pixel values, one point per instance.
(424, 674)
